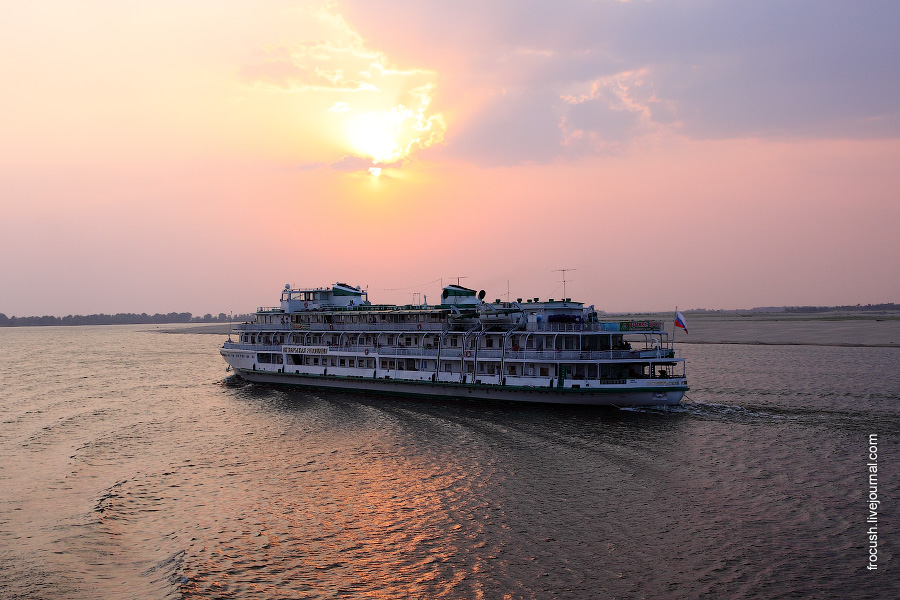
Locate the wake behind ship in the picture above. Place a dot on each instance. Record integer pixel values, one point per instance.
(555, 351)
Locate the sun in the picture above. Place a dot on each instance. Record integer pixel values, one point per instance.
(376, 135)
(389, 134)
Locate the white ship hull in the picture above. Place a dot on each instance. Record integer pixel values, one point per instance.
(634, 393)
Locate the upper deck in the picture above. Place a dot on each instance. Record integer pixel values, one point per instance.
(345, 308)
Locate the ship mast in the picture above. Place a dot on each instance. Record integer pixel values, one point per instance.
(563, 271)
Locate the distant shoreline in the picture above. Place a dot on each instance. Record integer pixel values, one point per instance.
(203, 329)
(119, 319)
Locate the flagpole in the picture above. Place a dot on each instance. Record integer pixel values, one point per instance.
(674, 326)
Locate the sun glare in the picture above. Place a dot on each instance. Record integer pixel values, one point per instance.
(375, 135)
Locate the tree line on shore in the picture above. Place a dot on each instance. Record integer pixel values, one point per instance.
(863, 308)
(890, 306)
(119, 319)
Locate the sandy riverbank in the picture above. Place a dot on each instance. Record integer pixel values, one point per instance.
(824, 329)
(213, 328)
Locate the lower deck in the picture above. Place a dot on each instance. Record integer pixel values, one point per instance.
(536, 369)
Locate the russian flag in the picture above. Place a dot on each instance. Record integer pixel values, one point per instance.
(679, 321)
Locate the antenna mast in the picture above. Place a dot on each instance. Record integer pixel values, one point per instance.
(563, 271)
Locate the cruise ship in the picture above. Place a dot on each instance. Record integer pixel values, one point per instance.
(532, 350)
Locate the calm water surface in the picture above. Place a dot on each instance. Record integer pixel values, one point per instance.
(133, 466)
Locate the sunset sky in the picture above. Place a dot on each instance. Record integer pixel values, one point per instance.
(197, 156)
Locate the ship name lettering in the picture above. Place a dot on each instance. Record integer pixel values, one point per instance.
(306, 349)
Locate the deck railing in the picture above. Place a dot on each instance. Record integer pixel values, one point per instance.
(482, 353)
(425, 327)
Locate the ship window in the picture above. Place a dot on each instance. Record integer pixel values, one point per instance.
(545, 371)
(489, 343)
(453, 342)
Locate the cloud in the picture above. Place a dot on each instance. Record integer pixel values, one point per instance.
(337, 61)
(515, 126)
(314, 166)
(350, 163)
(613, 111)
(300, 69)
(541, 81)
(378, 110)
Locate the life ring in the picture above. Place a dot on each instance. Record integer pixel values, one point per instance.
(331, 327)
(468, 354)
(367, 350)
(419, 326)
(306, 305)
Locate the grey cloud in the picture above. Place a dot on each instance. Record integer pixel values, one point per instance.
(518, 126)
(597, 115)
(814, 68)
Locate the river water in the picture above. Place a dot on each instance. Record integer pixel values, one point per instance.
(133, 466)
